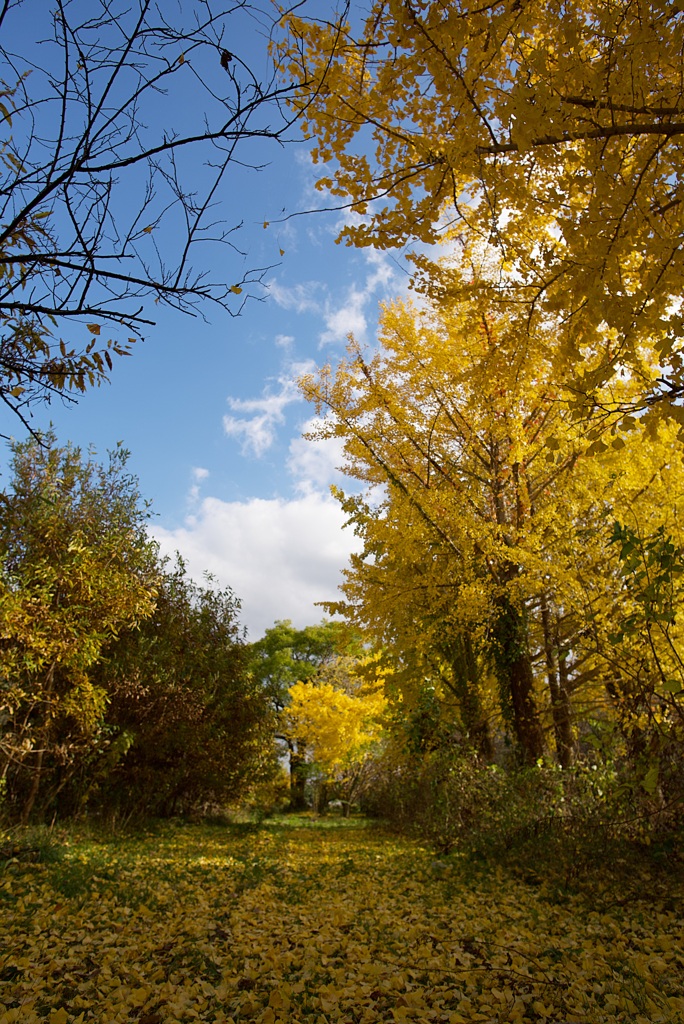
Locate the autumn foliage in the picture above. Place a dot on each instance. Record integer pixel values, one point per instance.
(550, 131)
(504, 678)
(513, 439)
(125, 689)
(504, 682)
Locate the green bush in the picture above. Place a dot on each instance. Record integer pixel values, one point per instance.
(560, 822)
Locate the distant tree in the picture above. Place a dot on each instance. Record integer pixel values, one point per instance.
(119, 124)
(338, 716)
(285, 656)
(76, 568)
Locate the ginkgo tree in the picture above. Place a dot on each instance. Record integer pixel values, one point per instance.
(549, 131)
(487, 555)
(339, 718)
(456, 433)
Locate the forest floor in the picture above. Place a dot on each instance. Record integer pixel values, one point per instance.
(302, 921)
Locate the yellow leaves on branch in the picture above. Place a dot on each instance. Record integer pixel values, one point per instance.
(550, 132)
(488, 492)
(340, 727)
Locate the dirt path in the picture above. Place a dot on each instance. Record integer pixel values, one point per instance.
(317, 924)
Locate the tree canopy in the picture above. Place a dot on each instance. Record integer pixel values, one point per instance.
(490, 568)
(339, 718)
(548, 133)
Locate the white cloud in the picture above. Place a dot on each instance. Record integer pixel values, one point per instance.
(303, 297)
(347, 319)
(257, 429)
(198, 474)
(349, 312)
(350, 317)
(284, 340)
(384, 271)
(314, 465)
(279, 557)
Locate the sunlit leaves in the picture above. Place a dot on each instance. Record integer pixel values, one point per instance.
(548, 134)
(76, 569)
(487, 572)
(339, 724)
(338, 717)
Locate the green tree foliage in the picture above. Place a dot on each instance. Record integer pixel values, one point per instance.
(187, 724)
(124, 686)
(286, 655)
(77, 568)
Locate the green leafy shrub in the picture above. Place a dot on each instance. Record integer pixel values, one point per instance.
(558, 821)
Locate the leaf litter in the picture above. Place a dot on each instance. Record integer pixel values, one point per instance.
(286, 924)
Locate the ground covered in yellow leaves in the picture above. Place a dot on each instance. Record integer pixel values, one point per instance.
(320, 924)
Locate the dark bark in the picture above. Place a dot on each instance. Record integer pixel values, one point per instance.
(465, 685)
(44, 734)
(516, 680)
(297, 778)
(560, 704)
(30, 801)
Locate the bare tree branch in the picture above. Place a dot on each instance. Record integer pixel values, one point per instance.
(119, 124)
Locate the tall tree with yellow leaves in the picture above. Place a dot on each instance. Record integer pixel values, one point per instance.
(338, 717)
(484, 489)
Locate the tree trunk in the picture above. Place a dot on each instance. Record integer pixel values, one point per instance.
(527, 727)
(297, 778)
(564, 694)
(44, 733)
(516, 680)
(560, 706)
(466, 688)
(33, 792)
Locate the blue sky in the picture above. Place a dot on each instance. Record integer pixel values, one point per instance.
(210, 412)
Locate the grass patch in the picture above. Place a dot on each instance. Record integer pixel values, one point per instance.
(32, 844)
